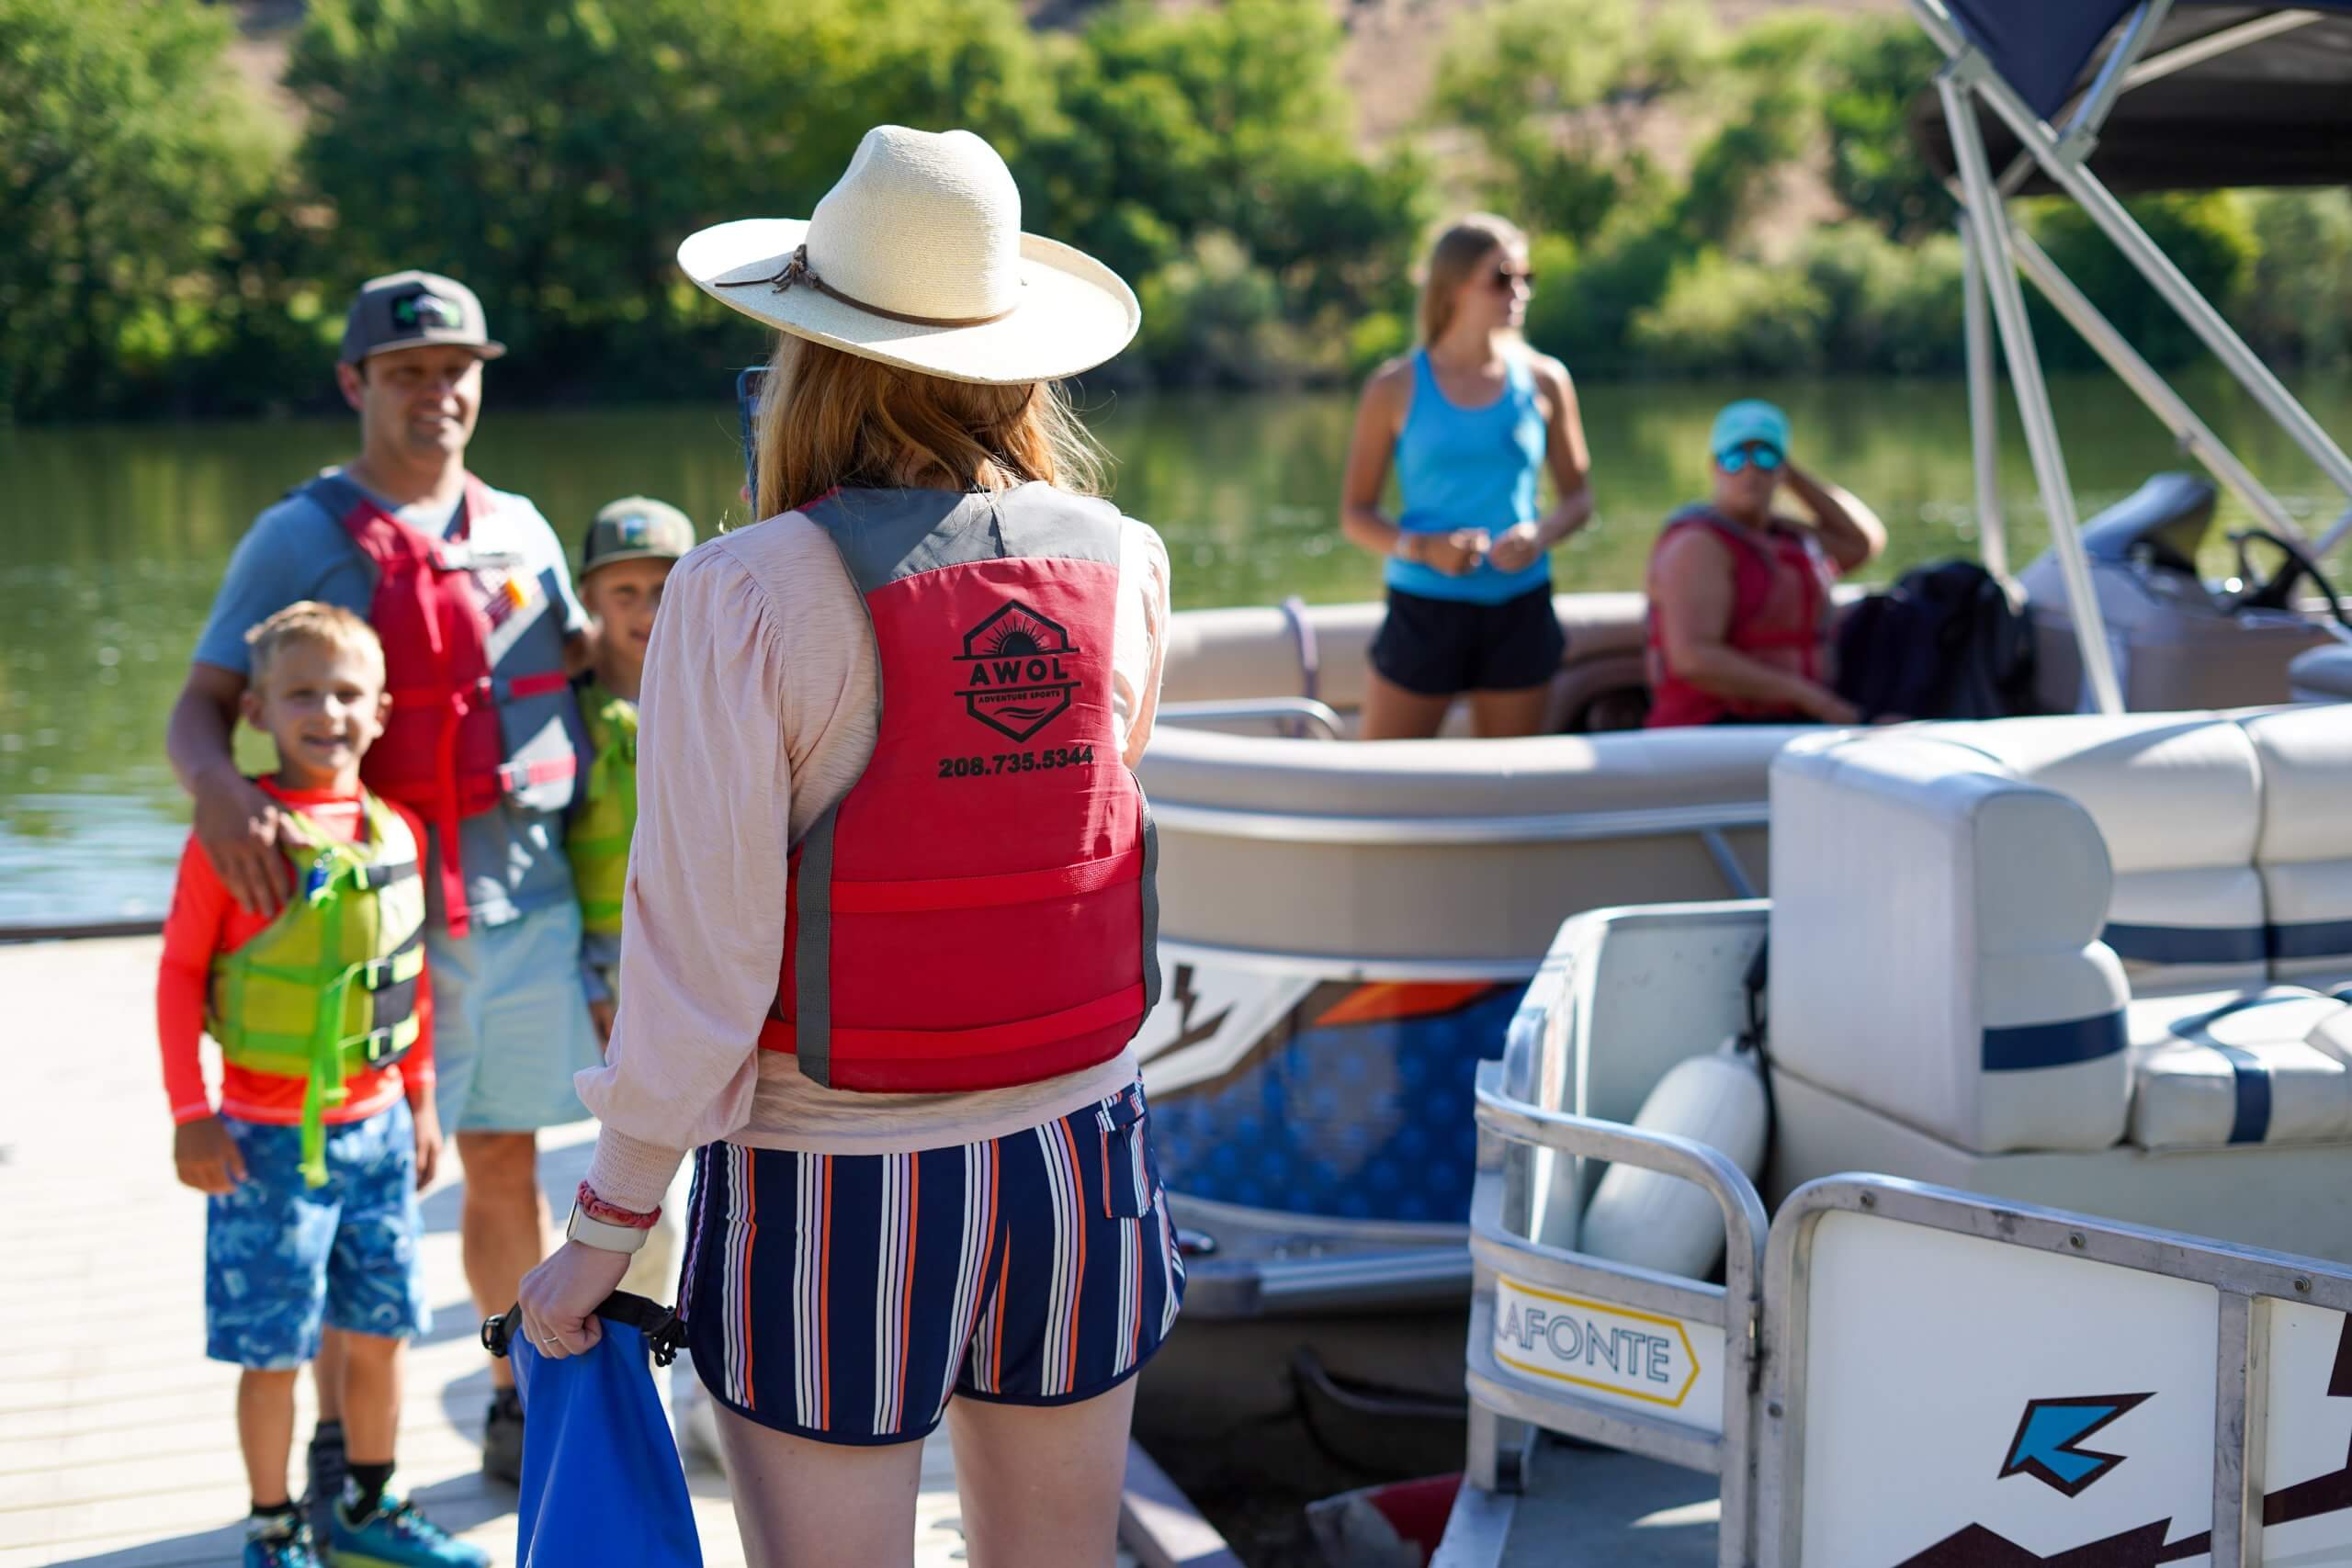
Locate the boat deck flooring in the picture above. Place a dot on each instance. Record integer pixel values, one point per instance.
(1589, 1508)
(118, 1442)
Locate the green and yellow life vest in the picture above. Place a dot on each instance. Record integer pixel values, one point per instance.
(605, 815)
(330, 986)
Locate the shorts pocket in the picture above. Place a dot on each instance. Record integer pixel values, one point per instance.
(1130, 1177)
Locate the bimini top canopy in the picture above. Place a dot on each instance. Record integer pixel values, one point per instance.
(2218, 96)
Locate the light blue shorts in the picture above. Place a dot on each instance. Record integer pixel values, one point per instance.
(510, 1023)
(282, 1258)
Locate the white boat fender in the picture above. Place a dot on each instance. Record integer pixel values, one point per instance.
(1656, 1221)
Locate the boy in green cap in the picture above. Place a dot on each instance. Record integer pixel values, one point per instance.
(629, 550)
(627, 557)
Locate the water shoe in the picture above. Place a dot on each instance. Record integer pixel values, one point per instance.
(396, 1536)
(502, 1438)
(280, 1542)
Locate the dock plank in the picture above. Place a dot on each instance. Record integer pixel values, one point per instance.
(118, 1441)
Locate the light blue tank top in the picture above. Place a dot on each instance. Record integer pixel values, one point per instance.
(1469, 469)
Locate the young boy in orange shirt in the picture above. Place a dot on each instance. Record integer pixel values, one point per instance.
(325, 1128)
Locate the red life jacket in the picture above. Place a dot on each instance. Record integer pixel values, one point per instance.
(473, 659)
(1780, 616)
(979, 909)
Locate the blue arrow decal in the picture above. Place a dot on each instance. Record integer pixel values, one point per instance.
(2047, 1433)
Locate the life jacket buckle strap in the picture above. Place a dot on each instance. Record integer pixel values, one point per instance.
(377, 1044)
(390, 970)
(516, 777)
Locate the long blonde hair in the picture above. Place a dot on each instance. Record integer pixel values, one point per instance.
(1454, 256)
(829, 419)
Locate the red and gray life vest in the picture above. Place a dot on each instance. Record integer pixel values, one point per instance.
(473, 655)
(1780, 614)
(979, 909)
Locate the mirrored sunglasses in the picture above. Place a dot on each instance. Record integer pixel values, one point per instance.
(1766, 459)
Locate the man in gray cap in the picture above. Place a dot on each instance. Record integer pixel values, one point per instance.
(469, 591)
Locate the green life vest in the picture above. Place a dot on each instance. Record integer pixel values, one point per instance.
(605, 815)
(330, 986)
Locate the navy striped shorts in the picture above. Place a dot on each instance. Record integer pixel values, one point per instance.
(846, 1297)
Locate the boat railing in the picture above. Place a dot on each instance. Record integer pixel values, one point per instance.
(2250, 1284)
(1836, 1340)
(1646, 1315)
(1299, 713)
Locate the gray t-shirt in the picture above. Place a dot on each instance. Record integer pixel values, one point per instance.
(512, 859)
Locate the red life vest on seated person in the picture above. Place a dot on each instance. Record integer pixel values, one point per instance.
(1779, 615)
(473, 658)
(979, 909)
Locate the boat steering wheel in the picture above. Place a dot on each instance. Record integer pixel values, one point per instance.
(2277, 591)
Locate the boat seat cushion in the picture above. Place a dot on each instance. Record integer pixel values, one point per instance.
(1989, 1015)
(2304, 853)
(2178, 798)
(2228, 1067)
(2323, 674)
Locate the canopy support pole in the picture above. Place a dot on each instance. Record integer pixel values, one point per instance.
(2194, 435)
(1989, 229)
(2126, 235)
(1983, 408)
(2335, 535)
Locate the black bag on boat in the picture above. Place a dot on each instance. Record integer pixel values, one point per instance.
(1947, 641)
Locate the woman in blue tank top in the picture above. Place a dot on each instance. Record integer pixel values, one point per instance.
(1470, 419)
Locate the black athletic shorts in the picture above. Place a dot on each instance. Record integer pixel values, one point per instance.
(1439, 647)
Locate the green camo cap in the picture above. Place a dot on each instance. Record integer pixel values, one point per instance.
(414, 310)
(636, 528)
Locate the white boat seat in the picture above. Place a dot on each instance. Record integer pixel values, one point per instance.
(2178, 799)
(2225, 1068)
(1935, 931)
(2211, 852)
(2323, 674)
(2304, 853)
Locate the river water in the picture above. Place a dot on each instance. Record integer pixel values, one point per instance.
(112, 539)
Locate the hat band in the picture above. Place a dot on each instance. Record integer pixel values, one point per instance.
(797, 272)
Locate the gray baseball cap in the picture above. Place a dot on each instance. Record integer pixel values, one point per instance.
(636, 528)
(410, 309)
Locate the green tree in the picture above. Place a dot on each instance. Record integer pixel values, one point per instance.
(2208, 236)
(1875, 71)
(552, 155)
(126, 154)
(1225, 120)
(1557, 91)
(2298, 300)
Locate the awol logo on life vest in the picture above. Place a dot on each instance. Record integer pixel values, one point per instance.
(1016, 678)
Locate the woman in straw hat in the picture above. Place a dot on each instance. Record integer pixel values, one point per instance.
(890, 914)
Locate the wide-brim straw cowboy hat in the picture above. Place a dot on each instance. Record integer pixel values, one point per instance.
(916, 259)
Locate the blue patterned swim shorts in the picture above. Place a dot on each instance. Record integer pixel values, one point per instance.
(281, 1258)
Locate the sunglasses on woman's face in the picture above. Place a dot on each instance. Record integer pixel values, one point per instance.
(1766, 459)
(1505, 277)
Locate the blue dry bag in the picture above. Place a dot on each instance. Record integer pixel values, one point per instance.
(601, 1477)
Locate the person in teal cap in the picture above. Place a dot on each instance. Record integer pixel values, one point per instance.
(1739, 613)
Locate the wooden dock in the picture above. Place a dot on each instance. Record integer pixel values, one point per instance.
(118, 1442)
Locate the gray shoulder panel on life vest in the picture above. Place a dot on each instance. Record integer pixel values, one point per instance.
(812, 955)
(887, 535)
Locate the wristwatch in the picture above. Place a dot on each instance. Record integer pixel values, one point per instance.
(602, 1235)
(1403, 549)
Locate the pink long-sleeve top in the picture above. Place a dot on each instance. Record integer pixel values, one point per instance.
(757, 714)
